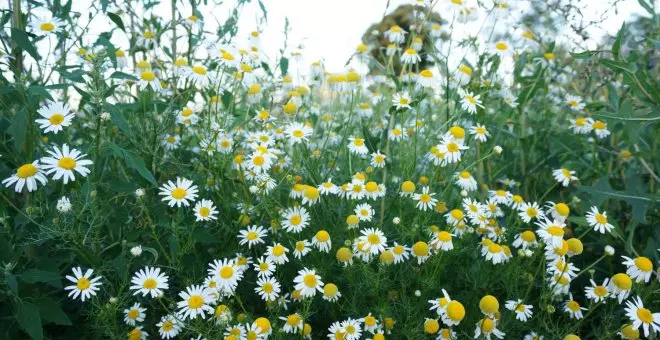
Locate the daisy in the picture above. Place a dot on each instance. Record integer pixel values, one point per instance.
(426, 78)
(55, 115)
(454, 217)
(463, 75)
(134, 314)
(205, 210)
(180, 193)
(523, 311)
(277, 253)
(420, 250)
(425, 200)
(188, 115)
(410, 56)
(84, 285)
(641, 316)
(596, 292)
(149, 281)
(639, 269)
(443, 241)
(620, 286)
(500, 196)
(253, 235)
(331, 292)
(401, 100)
(469, 102)
(147, 78)
(301, 249)
(573, 308)
(44, 26)
(364, 212)
(268, 288)
(495, 253)
(551, 231)
(564, 176)
(264, 267)
(575, 103)
(397, 134)
(171, 142)
(137, 334)
(168, 327)
(454, 313)
(64, 205)
(396, 34)
(480, 133)
(374, 240)
(198, 75)
(352, 329)
(401, 253)
(378, 160)
(295, 219)
(627, 332)
(598, 221)
(298, 132)
(600, 129)
(28, 174)
(63, 162)
(328, 188)
(293, 323)
(226, 274)
(581, 125)
(147, 39)
(308, 282)
(558, 211)
(195, 301)
(529, 211)
(237, 331)
(322, 241)
(357, 146)
(502, 49)
(451, 149)
(488, 327)
(526, 240)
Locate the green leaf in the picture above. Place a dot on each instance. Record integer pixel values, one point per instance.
(284, 66)
(227, 99)
(134, 162)
(263, 9)
(122, 75)
(22, 39)
(117, 20)
(51, 312)
(647, 7)
(40, 276)
(583, 55)
(12, 283)
(204, 236)
(18, 128)
(120, 265)
(7, 89)
(616, 66)
(616, 47)
(152, 251)
(30, 320)
(118, 119)
(39, 91)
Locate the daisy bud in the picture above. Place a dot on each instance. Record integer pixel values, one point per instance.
(470, 230)
(609, 250)
(521, 253)
(434, 117)
(418, 293)
(374, 32)
(113, 300)
(105, 116)
(92, 194)
(497, 149)
(550, 309)
(576, 200)
(529, 253)
(347, 243)
(136, 251)
(591, 272)
(253, 189)
(464, 193)
(396, 220)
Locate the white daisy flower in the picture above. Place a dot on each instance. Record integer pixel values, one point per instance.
(253, 235)
(84, 285)
(26, 175)
(295, 219)
(64, 162)
(135, 314)
(195, 301)
(226, 274)
(169, 327)
(564, 176)
(523, 311)
(180, 193)
(205, 210)
(598, 221)
(643, 317)
(149, 281)
(639, 269)
(44, 26)
(268, 288)
(55, 115)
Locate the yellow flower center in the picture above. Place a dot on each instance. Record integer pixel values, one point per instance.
(600, 291)
(226, 272)
(133, 314)
(574, 306)
(179, 193)
(598, 125)
(645, 315)
(420, 248)
(444, 236)
(373, 238)
(425, 198)
(452, 147)
(205, 212)
(455, 311)
(149, 284)
(278, 250)
(358, 142)
(487, 325)
(465, 69)
(195, 302)
(26, 170)
(562, 209)
(501, 46)
(622, 281)
(56, 119)
(83, 283)
(167, 326)
(555, 231)
(267, 287)
(644, 264)
(66, 163)
(295, 220)
(199, 70)
(528, 236)
(147, 76)
(293, 320)
(47, 27)
(457, 214)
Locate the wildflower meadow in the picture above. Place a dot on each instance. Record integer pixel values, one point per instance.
(475, 170)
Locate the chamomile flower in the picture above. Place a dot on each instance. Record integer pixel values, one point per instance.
(149, 281)
(639, 269)
(495, 253)
(600, 129)
(551, 231)
(421, 251)
(328, 188)
(45, 26)
(226, 273)
(205, 210)
(268, 288)
(357, 146)
(454, 313)
(308, 282)
(410, 56)
(488, 327)
(27, 175)
(253, 235)
(573, 308)
(374, 241)
(198, 76)
(463, 74)
(598, 221)
(84, 285)
(469, 102)
(188, 115)
(564, 176)
(301, 249)
(575, 103)
(641, 316)
(196, 301)
(147, 78)
(442, 240)
(425, 200)
(180, 193)
(352, 329)
(171, 142)
(465, 181)
(597, 293)
(295, 219)
(298, 132)
(322, 241)
(135, 314)
(55, 115)
(364, 212)
(525, 240)
(401, 100)
(396, 34)
(503, 49)
(620, 286)
(523, 311)
(451, 149)
(169, 327)
(581, 125)
(137, 333)
(454, 217)
(147, 39)
(529, 211)
(378, 160)
(277, 253)
(480, 133)
(401, 253)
